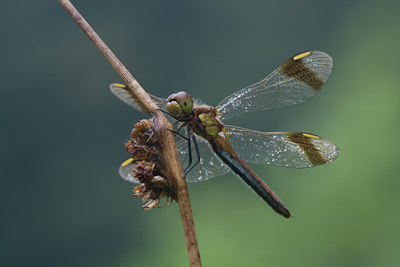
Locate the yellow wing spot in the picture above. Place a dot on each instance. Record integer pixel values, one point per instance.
(300, 56)
(311, 135)
(120, 85)
(127, 162)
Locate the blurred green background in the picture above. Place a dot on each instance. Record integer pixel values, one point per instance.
(62, 133)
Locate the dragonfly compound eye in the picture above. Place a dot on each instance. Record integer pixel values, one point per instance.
(182, 101)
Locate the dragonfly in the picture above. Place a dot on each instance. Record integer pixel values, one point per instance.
(222, 148)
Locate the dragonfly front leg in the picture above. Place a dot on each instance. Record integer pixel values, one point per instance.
(171, 115)
(178, 134)
(189, 146)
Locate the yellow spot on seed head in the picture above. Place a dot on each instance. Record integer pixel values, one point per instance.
(310, 135)
(127, 162)
(300, 56)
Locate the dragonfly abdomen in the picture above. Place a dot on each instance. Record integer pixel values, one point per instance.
(226, 153)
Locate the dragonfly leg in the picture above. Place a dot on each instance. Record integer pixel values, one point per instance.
(189, 147)
(196, 148)
(176, 118)
(178, 134)
(187, 169)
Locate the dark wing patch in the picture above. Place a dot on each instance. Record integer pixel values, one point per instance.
(295, 68)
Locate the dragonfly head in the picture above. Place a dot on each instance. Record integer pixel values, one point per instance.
(180, 104)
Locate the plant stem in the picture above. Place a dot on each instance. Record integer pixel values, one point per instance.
(169, 155)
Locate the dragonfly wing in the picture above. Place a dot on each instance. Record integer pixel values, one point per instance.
(125, 170)
(294, 82)
(210, 165)
(288, 149)
(125, 94)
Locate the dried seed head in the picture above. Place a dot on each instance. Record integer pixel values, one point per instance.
(145, 165)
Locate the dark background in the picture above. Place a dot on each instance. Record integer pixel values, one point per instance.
(62, 132)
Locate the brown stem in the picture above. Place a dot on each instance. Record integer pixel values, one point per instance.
(169, 153)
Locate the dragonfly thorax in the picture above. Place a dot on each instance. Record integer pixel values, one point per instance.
(205, 122)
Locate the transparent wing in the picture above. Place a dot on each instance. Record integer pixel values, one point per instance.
(126, 95)
(288, 149)
(294, 82)
(210, 165)
(125, 170)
